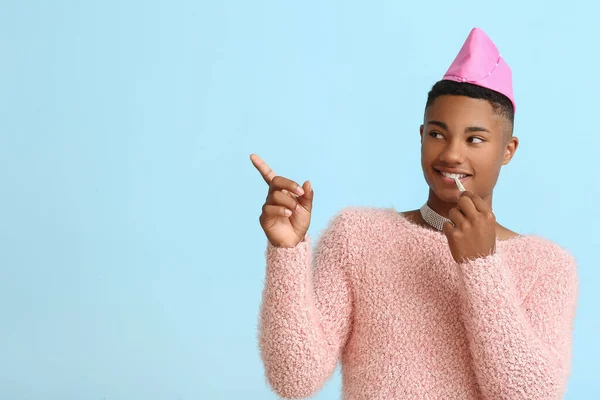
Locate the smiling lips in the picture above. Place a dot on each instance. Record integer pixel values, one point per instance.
(454, 178)
(451, 176)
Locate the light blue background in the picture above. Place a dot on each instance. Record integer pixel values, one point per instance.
(132, 261)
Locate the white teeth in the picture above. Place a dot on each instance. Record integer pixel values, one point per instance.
(452, 176)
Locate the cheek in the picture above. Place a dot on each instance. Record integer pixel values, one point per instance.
(427, 158)
(487, 163)
(428, 150)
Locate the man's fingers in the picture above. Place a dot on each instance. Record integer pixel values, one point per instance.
(466, 205)
(267, 173)
(281, 183)
(306, 200)
(456, 216)
(281, 199)
(270, 211)
(448, 228)
(478, 202)
(276, 182)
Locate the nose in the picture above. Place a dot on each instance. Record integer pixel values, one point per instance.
(453, 153)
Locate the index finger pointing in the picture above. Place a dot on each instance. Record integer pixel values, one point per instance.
(262, 167)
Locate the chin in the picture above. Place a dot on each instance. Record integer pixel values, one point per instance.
(445, 195)
(445, 191)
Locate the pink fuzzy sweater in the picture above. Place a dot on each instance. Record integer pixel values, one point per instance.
(384, 296)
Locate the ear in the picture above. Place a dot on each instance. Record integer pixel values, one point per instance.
(509, 149)
(421, 132)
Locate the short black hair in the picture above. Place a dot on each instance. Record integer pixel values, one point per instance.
(501, 104)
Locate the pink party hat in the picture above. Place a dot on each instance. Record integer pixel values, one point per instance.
(479, 62)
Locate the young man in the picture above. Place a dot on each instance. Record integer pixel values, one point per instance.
(437, 303)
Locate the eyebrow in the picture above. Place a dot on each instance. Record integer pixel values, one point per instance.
(469, 129)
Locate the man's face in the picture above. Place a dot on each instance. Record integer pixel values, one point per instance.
(464, 136)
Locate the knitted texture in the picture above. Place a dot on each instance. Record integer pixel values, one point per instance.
(384, 296)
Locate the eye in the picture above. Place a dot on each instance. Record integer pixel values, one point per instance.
(435, 135)
(476, 140)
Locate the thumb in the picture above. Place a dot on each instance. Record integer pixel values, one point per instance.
(306, 199)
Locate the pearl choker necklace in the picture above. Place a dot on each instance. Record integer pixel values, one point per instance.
(432, 218)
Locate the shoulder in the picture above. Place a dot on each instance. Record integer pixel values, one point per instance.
(357, 227)
(548, 249)
(362, 219)
(355, 233)
(372, 226)
(547, 254)
(556, 266)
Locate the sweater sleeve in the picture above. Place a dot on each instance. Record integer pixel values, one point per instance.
(521, 348)
(305, 315)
